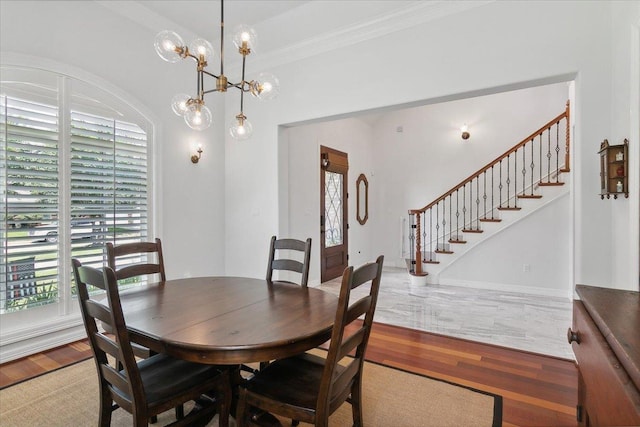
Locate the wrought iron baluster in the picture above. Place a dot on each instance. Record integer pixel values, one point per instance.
(558, 151)
(430, 234)
(549, 155)
(492, 192)
(464, 206)
(515, 178)
(524, 170)
(457, 214)
(450, 221)
(470, 205)
(500, 184)
(532, 164)
(508, 181)
(541, 158)
(484, 196)
(477, 178)
(437, 226)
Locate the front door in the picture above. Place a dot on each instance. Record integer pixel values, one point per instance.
(334, 249)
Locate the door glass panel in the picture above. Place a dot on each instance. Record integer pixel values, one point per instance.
(333, 209)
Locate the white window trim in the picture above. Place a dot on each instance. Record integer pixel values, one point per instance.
(65, 326)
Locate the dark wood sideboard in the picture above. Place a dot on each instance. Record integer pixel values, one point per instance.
(605, 338)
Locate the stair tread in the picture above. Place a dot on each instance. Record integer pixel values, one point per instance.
(550, 184)
(507, 208)
(472, 230)
(457, 241)
(530, 196)
(439, 251)
(490, 220)
(430, 262)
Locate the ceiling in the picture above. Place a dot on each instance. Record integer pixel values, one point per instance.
(287, 30)
(280, 24)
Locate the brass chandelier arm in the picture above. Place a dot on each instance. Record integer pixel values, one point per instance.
(210, 74)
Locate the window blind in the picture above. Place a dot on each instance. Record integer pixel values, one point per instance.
(107, 190)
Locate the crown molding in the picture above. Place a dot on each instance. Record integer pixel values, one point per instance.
(408, 17)
(417, 13)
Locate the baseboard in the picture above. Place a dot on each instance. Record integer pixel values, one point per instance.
(28, 341)
(532, 290)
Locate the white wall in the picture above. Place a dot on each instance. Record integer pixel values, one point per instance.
(496, 45)
(89, 37)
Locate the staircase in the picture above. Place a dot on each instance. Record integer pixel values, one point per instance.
(520, 181)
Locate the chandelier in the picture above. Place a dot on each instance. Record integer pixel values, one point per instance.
(197, 115)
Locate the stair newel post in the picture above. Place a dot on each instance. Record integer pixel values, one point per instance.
(412, 237)
(418, 267)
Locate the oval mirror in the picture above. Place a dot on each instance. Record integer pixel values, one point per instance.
(362, 199)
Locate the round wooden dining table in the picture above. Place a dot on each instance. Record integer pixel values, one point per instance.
(228, 320)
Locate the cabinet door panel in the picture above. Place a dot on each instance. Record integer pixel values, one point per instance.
(609, 397)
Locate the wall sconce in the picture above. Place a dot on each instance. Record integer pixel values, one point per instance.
(196, 157)
(465, 132)
(325, 160)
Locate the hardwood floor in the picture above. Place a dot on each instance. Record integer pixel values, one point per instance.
(537, 390)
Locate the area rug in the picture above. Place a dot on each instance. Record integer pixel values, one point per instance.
(392, 397)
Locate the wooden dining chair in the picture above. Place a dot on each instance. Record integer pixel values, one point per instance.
(276, 262)
(122, 259)
(153, 385)
(308, 387)
(290, 264)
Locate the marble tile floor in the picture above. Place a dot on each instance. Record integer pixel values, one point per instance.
(510, 319)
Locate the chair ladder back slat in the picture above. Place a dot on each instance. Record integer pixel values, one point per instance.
(287, 264)
(342, 380)
(358, 308)
(98, 311)
(351, 342)
(108, 346)
(116, 379)
(293, 244)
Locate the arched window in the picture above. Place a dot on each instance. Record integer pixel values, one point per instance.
(74, 174)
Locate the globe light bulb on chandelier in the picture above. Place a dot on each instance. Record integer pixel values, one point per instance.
(197, 115)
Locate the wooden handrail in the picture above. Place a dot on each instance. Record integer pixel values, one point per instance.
(513, 149)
